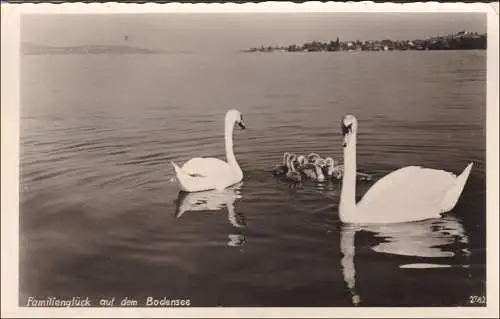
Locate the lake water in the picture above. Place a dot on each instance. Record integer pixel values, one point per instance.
(101, 217)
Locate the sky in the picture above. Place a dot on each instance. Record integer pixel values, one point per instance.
(222, 32)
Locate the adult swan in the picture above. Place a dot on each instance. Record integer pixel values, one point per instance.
(201, 174)
(408, 194)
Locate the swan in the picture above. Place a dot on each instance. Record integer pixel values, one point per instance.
(410, 193)
(202, 173)
(312, 171)
(292, 173)
(282, 168)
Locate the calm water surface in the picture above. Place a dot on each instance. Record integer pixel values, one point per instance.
(100, 216)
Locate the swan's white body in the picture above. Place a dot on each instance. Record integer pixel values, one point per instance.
(201, 174)
(408, 194)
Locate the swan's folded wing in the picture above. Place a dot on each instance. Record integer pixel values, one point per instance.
(205, 166)
(193, 164)
(411, 185)
(196, 175)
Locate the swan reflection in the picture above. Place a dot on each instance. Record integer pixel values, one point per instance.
(432, 239)
(215, 200)
(236, 240)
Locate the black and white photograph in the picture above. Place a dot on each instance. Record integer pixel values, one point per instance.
(238, 160)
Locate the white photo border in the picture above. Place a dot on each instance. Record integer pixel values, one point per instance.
(10, 49)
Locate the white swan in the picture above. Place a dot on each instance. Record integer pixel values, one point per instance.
(201, 173)
(408, 194)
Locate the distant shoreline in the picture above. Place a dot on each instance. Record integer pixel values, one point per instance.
(460, 41)
(37, 49)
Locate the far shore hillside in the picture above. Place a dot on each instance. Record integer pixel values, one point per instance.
(460, 41)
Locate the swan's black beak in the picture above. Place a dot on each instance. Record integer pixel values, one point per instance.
(346, 129)
(242, 125)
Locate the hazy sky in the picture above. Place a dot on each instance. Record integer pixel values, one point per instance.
(222, 32)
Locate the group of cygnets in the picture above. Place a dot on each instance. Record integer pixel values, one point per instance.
(297, 168)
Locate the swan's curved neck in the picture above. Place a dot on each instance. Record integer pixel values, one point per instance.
(348, 194)
(228, 137)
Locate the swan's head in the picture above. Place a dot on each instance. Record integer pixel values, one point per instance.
(349, 128)
(234, 116)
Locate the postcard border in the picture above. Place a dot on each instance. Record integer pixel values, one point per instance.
(10, 34)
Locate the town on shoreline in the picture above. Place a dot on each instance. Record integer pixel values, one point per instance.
(460, 41)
